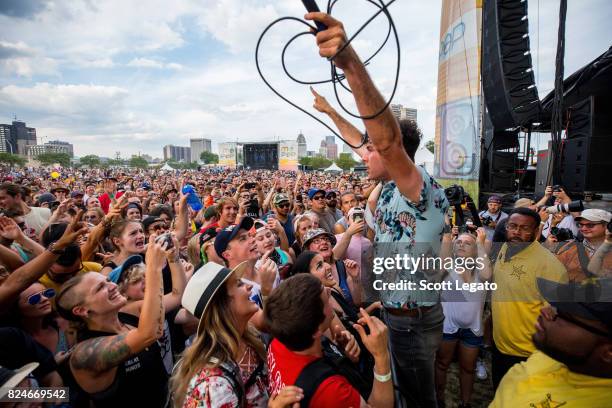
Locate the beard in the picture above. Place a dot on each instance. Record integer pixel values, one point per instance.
(569, 360)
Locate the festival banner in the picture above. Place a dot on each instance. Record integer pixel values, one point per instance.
(288, 155)
(458, 107)
(227, 154)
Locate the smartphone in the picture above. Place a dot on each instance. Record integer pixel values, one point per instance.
(167, 238)
(358, 217)
(250, 186)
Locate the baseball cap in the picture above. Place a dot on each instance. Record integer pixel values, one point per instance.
(494, 199)
(279, 198)
(147, 222)
(117, 274)
(77, 193)
(207, 235)
(331, 193)
(313, 191)
(211, 212)
(595, 215)
(46, 198)
(203, 286)
(227, 234)
(590, 299)
(523, 202)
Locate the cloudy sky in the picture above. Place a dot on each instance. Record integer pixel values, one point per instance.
(132, 76)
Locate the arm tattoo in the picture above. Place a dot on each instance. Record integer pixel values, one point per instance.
(101, 354)
(160, 322)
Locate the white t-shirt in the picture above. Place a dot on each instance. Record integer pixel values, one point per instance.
(567, 222)
(462, 309)
(37, 218)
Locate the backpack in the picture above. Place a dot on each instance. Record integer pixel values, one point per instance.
(332, 363)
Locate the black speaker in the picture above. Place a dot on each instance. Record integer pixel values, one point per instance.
(509, 87)
(586, 165)
(504, 161)
(502, 181)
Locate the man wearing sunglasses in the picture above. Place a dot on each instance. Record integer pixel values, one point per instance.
(516, 302)
(318, 206)
(281, 211)
(573, 362)
(576, 255)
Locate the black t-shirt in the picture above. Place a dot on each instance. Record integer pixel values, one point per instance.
(18, 348)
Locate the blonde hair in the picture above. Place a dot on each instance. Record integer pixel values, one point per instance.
(219, 339)
(134, 273)
(193, 250)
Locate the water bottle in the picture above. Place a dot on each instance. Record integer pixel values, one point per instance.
(192, 198)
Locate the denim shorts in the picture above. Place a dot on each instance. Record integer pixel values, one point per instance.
(466, 336)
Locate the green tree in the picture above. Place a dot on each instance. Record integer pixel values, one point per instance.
(90, 160)
(115, 162)
(209, 158)
(319, 162)
(138, 162)
(346, 161)
(48, 159)
(12, 159)
(430, 145)
(305, 161)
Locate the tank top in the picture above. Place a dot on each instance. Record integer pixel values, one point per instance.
(141, 380)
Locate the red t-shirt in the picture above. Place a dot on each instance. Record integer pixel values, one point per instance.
(105, 201)
(284, 367)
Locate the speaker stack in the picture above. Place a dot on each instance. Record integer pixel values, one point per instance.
(586, 164)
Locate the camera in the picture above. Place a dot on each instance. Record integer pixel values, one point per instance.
(556, 188)
(167, 238)
(487, 220)
(574, 206)
(250, 186)
(455, 194)
(562, 234)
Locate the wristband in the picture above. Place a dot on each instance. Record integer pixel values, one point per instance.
(382, 378)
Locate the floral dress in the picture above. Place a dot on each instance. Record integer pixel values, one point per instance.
(212, 387)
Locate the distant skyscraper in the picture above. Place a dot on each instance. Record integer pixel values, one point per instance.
(177, 153)
(17, 137)
(198, 146)
(323, 149)
(5, 139)
(331, 148)
(302, 147)
(400, 112)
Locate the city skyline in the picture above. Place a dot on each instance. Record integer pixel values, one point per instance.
(142, 78)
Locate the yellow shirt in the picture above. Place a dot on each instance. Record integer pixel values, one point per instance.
(517, 302)
(87, 267)
(541, 382)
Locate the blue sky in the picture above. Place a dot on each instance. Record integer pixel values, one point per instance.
(132, 76)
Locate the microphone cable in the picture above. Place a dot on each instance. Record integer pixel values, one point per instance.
(336, 78)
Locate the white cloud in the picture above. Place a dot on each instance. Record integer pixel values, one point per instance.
(150, 63)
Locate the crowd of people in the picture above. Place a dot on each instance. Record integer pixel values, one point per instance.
(253, 288)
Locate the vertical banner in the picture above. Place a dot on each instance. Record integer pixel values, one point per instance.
(458, 112)
(288, 155)
(227, 154)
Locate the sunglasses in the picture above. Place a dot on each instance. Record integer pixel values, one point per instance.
(569, 318)
(283, 205)
(318, 198)
(157, 227)
(37, 297)
(588, 225)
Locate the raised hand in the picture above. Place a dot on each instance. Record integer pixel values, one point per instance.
(352, 268)
(72, 233)
(9, 229)
(377, 340)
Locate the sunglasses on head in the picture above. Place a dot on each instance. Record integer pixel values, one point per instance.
(37, 297)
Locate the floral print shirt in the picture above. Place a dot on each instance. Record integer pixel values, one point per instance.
(211, 388)
(406, 228)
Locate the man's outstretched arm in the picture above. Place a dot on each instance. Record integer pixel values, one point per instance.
(384, 129)
(349, 132)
